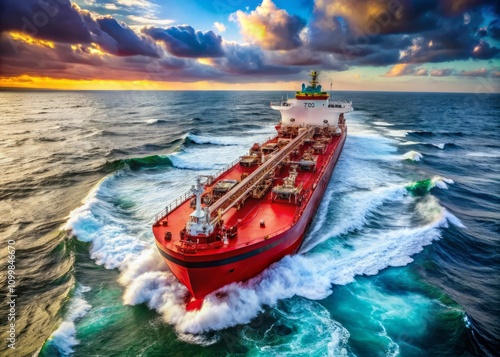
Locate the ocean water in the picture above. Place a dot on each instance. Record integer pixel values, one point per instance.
(402, 258)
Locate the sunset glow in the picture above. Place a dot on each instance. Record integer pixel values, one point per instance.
(366, 45)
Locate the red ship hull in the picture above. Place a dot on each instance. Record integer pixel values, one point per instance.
(205, 273)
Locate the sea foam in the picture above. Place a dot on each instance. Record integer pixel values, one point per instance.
(413, 156)
(64, 338)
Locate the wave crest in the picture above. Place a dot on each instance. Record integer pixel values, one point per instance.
(413, 156)
(64, 338)
(215, 140)
(422, 187)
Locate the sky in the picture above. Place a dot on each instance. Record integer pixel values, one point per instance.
(373, 45)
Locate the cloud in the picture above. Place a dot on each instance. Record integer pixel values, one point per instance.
(269, 27)
(52, 20)
(219, 27)
(142, 4)
(421, 72)
(249, 60)
(481, 72)
(184, 41)
(376, 32)
(454, 7)
(401, 69)
(88, 62)
(127, 42)
(493, 29)
(406, 69)
(443, 72)
(111, 7)
(303, 57)
(37, 58)
(63, 22)
(149, 21)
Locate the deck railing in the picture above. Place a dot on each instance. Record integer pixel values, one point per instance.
(172, 205)
(339, 104)
(225, 168)
(331, 104)
(280, 103)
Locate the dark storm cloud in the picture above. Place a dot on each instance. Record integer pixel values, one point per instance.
(54, 20)
(78, 54)
(34, 60)
(184, 41)
(128, 43)
(493, 29)
(453, 7)
(376, 32)
(303, 57)
(64, 22)
(249, 60)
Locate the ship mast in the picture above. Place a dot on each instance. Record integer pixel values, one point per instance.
(199, 223)
(314, 79)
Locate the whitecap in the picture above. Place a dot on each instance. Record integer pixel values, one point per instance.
(412, 155)
(215, 140)
(440, 145)
(441, 182)
(484, 154)
(64, 338)
(382, 123)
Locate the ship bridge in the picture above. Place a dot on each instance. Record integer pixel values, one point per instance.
(312, 106)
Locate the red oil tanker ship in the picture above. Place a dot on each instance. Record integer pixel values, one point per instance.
(231, 227)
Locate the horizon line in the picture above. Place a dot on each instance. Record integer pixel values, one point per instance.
(34, 89)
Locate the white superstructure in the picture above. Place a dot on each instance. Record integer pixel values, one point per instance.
(311, 106)
(321, 112)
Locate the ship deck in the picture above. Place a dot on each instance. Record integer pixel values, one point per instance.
(278, 215)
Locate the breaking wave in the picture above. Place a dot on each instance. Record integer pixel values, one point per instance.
(413, 156)
(216, 140)
(382, 123)
(444, 145)
(422, 187)
(64, 338)
(147, 162)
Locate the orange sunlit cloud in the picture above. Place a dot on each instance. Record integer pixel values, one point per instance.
(27, 39)
(93, 49)
(398, 70)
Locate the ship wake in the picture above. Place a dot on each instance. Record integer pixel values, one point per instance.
(368, 221)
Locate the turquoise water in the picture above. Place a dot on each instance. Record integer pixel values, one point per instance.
(401, 258)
